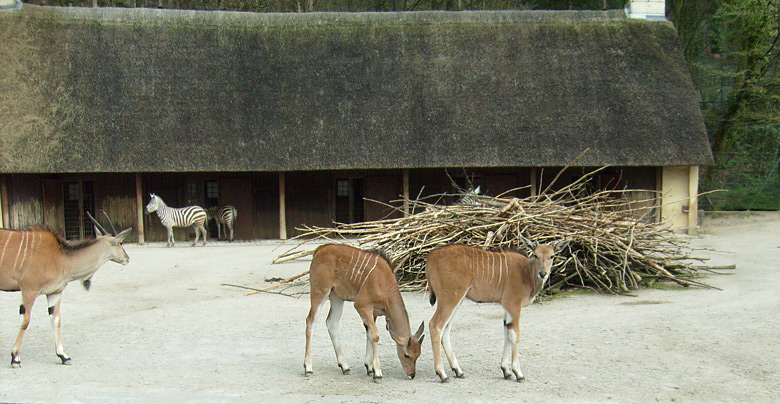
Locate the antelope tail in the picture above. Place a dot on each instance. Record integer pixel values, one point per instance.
(86, 283)
(432, 298)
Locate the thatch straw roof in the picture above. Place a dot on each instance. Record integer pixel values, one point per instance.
(127, 90)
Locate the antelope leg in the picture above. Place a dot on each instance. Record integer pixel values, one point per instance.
(336, 308)
(54, 315)
(317, 301)
(506, 359)
(366, 312)
(28, 299)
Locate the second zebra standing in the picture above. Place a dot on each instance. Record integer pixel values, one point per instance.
(224, 216)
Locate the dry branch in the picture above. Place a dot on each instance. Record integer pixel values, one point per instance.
(614, 245)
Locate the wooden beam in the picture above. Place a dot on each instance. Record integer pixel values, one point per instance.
(139, 207)
(693, 200)
(4, 202)
(659, 198)
(406, 192)
(282, 208)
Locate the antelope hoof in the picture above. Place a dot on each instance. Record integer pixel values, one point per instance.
(507, 374)
(344, 369)
(369, 371)
(65, 360)
(307, 373)
(16, 362)
(520, 377)
(377, 379)
(444, 379)
(458, 374)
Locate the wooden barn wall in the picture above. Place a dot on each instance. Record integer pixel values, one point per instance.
(25, 192)
(53, 204)
(115, 195)
(265, 187)
(308, 201)
(429, 183)
(383, 187)
(641, 181)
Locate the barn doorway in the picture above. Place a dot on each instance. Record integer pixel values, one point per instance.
(211, 200)
(79, 199)
(349, 200)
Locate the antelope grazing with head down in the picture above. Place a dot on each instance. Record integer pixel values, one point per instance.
(345, 273)
(37, 261)
(457, 272)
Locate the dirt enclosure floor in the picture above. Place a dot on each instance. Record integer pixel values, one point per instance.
(163, 329)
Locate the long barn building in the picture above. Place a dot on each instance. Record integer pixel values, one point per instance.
(299, 118)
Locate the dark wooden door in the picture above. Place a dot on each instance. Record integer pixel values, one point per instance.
(383, 189)
(238, 192)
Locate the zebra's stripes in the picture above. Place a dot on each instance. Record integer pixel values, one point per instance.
(194, 216)
(469, 197)
(224, 216)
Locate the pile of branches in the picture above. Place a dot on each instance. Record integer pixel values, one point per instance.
(612, 244)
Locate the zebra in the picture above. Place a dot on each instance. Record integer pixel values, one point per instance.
(469, 197)
(193, 216)
(224, 216)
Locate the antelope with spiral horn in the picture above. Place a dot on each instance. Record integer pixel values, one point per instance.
(38, 261)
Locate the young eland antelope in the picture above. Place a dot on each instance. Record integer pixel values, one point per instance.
(344, 273)
(37, 261)
(457, 272)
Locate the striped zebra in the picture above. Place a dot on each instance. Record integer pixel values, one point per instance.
(193, 216)
(224, 216)
(469, 197)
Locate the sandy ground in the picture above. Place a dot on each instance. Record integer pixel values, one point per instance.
(163, 329)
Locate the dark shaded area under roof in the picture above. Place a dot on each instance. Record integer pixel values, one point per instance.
(141, 90)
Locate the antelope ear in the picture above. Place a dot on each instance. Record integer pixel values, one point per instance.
(122, 236)
(420, 330)
(422, 337)
(476, 190)
(97, 231)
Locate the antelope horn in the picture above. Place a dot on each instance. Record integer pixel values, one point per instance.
(97, 224)
(111, 223)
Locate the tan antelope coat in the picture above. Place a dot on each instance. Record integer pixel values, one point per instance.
(343, 273)
(38, 262)
(457, 272)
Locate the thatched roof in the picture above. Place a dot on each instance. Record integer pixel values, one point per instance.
(128, 90)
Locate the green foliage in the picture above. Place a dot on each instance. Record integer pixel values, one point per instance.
(346, 5)
(732, 49)
(749, 171)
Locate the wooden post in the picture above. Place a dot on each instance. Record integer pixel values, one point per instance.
(693, 200)
(533, 181)
(659, 198)
(4, 202)
(406, 192)
(282, 208)
(139, 207)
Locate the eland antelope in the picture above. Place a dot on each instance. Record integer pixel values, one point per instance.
(38, 261)
(344, 273)
(457, 272)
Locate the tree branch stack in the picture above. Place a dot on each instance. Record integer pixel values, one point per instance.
(614, 245)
